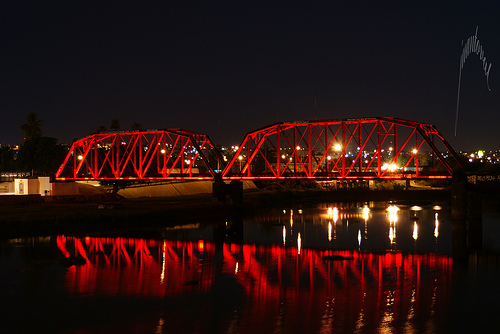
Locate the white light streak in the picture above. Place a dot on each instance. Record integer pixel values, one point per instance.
(472, 46)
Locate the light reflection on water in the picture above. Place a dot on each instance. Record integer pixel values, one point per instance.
(343, 269)
(360, 227)
(265, 283)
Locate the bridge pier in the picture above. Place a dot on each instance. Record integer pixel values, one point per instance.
(220, 190)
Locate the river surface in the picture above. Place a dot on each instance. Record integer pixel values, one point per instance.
(336, 268)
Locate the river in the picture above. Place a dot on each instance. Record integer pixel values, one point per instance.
(367, 267)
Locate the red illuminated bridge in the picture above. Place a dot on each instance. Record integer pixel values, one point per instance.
(362, 148)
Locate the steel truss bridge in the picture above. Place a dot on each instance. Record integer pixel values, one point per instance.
(361, 148)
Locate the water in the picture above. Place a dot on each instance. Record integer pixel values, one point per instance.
(356, 267)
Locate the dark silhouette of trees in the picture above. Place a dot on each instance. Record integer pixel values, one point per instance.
(6, 159)
(40, 154)
(115, 125)
(101, 129)
(33, 126)
(136, 127)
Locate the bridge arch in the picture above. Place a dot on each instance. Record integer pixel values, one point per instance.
(156, 154)
(368, 148)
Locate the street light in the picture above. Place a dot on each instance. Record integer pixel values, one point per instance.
(392, 167)
(240, 158)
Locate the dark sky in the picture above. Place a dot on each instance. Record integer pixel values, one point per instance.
(227, 68)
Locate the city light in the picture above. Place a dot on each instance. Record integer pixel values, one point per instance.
(415, 231)
(393, 213)
(299, 243)
(284, 235)
(366, 212)
(436, 228)
(392, 234)
(389, 167)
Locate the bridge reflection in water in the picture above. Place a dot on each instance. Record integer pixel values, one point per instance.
(266, 288)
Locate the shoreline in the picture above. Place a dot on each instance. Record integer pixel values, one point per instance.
(81, 214)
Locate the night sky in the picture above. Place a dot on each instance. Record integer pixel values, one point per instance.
(227, 68)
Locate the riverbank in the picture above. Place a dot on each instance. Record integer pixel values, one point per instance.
(84, 215)
(94, 213)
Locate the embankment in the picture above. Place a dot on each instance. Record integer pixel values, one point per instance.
(176, 189)
(95, 212)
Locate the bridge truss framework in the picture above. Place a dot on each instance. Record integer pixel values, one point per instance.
(367, 148)
(158, 154)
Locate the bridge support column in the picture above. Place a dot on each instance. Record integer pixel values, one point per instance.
(219, 191)
(233, 189)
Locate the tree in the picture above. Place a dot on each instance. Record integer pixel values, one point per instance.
(101, 129)
(115, 125)
(136, 126)
(6, 159)
(42, 155)
(33, 126)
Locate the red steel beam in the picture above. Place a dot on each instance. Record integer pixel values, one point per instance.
(379, 147)
(180, 154)
(368, 148)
